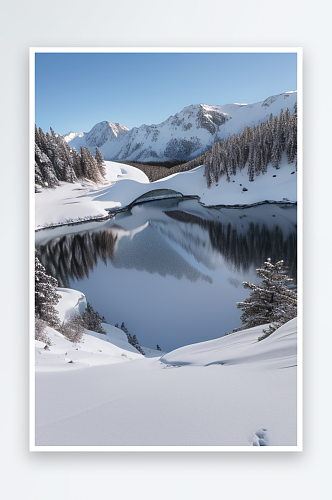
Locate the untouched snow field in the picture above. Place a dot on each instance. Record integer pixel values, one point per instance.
(232, 391)
(125, 184)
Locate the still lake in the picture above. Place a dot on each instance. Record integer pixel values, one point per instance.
(171, 270)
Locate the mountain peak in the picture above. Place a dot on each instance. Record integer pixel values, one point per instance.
(182, 136)
(104, 131)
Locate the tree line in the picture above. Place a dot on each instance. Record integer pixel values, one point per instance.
(55, 161)
(254, 149)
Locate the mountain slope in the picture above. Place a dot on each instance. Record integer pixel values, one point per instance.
(183, 136)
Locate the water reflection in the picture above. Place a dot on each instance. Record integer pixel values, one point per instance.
(251, 245)
(171, 270)
(73, 256)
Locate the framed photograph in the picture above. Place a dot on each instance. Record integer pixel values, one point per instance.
(166, 249)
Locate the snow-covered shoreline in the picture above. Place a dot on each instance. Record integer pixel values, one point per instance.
(77, 203)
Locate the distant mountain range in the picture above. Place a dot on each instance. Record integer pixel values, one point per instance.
(183, 136)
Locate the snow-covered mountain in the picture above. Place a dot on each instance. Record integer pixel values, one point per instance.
(183, 136)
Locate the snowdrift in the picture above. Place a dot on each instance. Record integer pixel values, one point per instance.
(229, 392)
(279, 349)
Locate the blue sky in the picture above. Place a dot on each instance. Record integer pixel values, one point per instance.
(74, 91)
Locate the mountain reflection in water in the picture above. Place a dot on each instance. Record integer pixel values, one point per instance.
(128, 259)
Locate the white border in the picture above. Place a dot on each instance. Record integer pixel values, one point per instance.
(31, 250)
(251, 449)
(300, 249)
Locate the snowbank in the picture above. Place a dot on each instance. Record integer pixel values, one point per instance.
(92, 351)
(274, 185)
(280, 348)
(79, 200)
(71, 302)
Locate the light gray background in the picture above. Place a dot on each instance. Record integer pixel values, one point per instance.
(155, 23)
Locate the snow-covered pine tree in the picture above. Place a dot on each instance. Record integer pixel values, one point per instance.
(100, 163)
(53, 158)
(272, 301)
(76, 162)
(46, 296)
(37, 138)
(291, 142)
(132, 339)
(70, 175)
(89, 166)
(92, 320)
(276, 147)
(42, 141)
(62, 160)
(251, 162)
(255, 148)
(59, 162)
(38, 178)
(137, 346)
(208, 174)
(84, 162)
(49, 178)
(245, 142)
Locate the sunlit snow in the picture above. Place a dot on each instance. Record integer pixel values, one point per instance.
(232, 391)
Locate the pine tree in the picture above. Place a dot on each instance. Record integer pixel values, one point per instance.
(55, 161)
(272, 301)
(92, 320)
(251, 162)
(89, 166)
(207, 173)
(132, 339)
(46, 296)
(76, 162)
(68, 159)
(276, 147)
(100, 163)
(46, 168)
(42, 144)
(37, 138)
(38, 178)
(255, 148)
